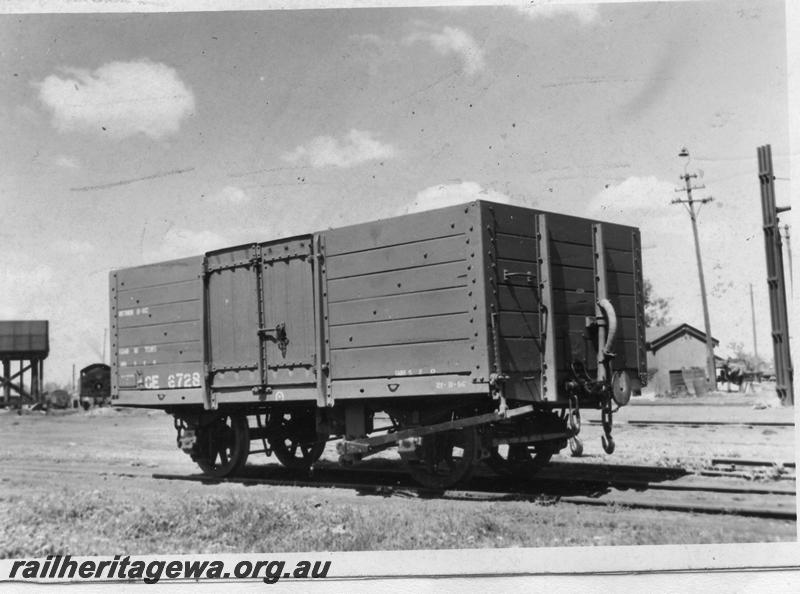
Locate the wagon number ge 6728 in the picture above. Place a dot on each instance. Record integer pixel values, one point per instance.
(183, 380)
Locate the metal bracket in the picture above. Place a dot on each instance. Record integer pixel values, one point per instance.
(280, 338)
(547, 360)
(600, 293)
(528, 275)
(230, 266)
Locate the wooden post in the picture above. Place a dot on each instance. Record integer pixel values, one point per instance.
(35, 395)
(6, 384)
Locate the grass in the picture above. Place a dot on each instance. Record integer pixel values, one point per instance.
(233, 518)
(82, 513)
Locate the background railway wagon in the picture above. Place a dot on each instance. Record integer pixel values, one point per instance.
(95, 384)
(433, 303)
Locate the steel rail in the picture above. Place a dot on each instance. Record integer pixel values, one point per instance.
(645, 496)
(641, 423)
(648, 502)
(745, 462)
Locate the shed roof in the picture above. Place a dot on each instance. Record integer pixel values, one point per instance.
(659, 336)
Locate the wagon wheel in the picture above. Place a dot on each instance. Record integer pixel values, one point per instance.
(446, 458)
(223, 446)
(294, 440)
(519, 458)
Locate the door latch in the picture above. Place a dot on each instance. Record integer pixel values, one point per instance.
(280, 338)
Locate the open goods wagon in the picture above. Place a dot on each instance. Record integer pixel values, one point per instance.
(478, 331)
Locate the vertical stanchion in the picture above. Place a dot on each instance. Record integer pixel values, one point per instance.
(775, 278)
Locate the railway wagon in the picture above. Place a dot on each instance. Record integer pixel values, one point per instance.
(95, 386)
(468, 333)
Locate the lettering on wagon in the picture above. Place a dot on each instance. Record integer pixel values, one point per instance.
(451, 385)
(150, 348)
(415, 371)
(183, 380)
(174, 380)
(136, 311)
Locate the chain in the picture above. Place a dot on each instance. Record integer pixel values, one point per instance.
(574, 414)
(180, 426)
(607, 417)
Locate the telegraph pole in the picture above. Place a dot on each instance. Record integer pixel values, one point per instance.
(753, 312)
(689, 202)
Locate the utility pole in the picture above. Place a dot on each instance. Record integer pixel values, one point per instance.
(753, 312)
(689, 202)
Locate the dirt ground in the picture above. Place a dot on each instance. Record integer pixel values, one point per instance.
(80, 483)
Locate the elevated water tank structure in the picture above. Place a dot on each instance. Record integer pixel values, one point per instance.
(24, 345)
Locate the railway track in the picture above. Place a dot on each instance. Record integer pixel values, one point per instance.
(641, 423)
(665, 489)
(642, 487)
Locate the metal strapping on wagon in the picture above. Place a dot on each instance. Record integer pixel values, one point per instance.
(349, 448)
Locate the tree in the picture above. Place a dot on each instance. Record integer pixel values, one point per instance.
(751, 361)
(656, 309)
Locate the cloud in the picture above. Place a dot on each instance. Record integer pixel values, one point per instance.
(730, 261)
(325, 151)
(450, 194)
(119, 99)
(180, 242)
(634, 201)
(27, 286)
(452, 40)
(586, 14)
(230, 195)
(67, 162)
(75, 247)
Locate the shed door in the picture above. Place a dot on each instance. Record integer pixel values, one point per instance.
(288, 335)
(676, 381)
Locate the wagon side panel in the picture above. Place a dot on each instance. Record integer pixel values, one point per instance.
(404, 301)
(157, 334)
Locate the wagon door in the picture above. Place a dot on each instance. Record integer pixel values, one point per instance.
(287, 299)
(232, 310)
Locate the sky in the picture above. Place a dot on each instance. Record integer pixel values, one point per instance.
(134, 138)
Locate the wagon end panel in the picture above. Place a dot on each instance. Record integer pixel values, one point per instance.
(625, 288)
(589, 261)
(404, 305)
(157, 343)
